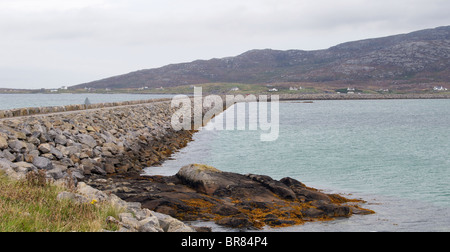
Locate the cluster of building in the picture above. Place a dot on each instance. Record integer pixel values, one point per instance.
(441, 88)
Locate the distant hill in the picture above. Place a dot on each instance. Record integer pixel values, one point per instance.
(414, 58)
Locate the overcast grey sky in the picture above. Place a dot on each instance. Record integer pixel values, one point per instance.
(51, 43)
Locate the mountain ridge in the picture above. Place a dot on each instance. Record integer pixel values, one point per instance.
(417, 57)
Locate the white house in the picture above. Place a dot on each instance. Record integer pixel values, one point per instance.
(273, 90)
(234, 89)
(441, 88)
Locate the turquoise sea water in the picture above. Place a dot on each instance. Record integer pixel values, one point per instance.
(10, 101)
(395, 154)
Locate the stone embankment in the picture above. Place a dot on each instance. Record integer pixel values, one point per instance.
(67, 108)
(104, 141)
(96, 143)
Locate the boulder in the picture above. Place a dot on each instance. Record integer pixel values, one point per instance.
(70, 196)
(45, 148)
(9, 168)
(58, 154)
(211, 181)
(149, 224)
(91, 193)
(60, 139)
(87, 140)
(18, 146)
(7, 155)
(112, 148)
(71, 150)
(170, 224)
(3, 143)
(43, 163)
(130, 223)
(58, 172)
(25, 167)
(20, 135)
(203, 178)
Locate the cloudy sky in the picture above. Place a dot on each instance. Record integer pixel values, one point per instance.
(51, 43)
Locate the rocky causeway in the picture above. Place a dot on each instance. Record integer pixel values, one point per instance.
(103, 150)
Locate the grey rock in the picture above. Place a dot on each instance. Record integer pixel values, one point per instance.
(43, 163)
(25, 167)
(34, 141)
(29, 157)
(20, 135)
(58, 154)
(18, 146)
(6, 164)
(138, 212)
(77, 198)
(60, 139)
(71, 150)
(203, 176)
(7, 155)
(45, 148)
(77, 173)
(128, 221)
(9, 169)
(58, 172)
(87, 140)
(3, 143)
(91, 192)
(149, 224)
(170, 224)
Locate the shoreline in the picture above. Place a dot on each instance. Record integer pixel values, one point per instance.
(30, 111)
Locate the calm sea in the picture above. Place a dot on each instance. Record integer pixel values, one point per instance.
(10, 101)
(395, 154)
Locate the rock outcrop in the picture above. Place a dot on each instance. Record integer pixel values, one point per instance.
(200, 192)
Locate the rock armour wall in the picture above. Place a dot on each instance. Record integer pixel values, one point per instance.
(108, 140)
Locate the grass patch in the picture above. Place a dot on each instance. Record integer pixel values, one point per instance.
(31, 206)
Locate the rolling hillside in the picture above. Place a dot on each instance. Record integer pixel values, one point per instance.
(407, 59)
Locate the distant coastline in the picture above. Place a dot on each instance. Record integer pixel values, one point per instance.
(27, 111)
(362, 96)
